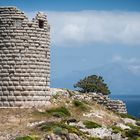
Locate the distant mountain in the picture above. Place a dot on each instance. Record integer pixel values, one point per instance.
(118, 77)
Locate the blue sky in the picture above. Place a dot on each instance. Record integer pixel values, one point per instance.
(74, 5)
(87, 34)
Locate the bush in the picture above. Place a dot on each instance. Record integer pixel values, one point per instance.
(90, 124)
(133, 133)
(116, 129)
(59, 112)
(57, 130)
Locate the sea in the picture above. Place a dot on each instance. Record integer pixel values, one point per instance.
(132, 103)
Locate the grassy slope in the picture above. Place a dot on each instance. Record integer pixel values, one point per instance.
(62, 109)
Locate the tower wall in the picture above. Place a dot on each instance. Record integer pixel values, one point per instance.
(24, 59)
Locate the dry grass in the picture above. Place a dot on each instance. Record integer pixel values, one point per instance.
(13, 120)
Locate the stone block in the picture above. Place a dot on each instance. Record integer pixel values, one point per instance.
(3, 98)
(19, 103)
(11, 103)
(17, 93)
(11, 98)
(5, 93)
(6, 104)
(19, 98)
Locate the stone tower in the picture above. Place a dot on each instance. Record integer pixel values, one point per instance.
(24, 59)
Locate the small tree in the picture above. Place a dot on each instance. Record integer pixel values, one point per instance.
(92, 83)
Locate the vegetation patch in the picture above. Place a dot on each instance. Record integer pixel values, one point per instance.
(81, 105)
(116, 129)
(59, 112)
(90, 124)
(27, 138)
(132, 134)
(59, 128)
(128, 116)
(94, 138)
(133, 126)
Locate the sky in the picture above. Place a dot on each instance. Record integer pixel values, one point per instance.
(87, 34)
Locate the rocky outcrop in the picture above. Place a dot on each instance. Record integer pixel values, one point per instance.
(114, 105)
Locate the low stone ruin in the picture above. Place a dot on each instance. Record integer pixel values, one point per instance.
(114, 105)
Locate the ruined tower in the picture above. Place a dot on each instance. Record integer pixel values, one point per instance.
(24, 59)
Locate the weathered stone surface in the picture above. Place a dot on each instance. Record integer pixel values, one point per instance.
(24, 58)
(114, 105)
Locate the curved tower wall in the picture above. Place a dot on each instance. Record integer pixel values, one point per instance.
(24, 59)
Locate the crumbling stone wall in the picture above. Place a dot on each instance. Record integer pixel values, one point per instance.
(114, 105)
(24, 59)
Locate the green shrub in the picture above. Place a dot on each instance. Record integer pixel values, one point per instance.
(94, 138)
(25, 138)
(81, 105)
(90, 124)
(116, 129)
(47, 126)
(59, 112)
(133, 133)
(57, 130)
(127, 116)
(133, 126)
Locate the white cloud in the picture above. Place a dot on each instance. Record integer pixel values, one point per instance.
(132, 63)
(85, 27)
(119, 58)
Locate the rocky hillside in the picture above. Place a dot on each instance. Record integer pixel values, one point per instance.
(67, 118)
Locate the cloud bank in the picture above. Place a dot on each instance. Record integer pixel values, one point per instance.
(133, 63)
(89, 27)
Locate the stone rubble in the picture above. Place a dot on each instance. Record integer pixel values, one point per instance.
(114, 105)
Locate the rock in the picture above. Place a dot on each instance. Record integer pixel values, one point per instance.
(128, 120)
(35, 124)
(79, 124)
(71, 120)
(73, 136)
(114, 105)
(122, 126)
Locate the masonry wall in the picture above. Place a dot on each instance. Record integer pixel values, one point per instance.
(114, 105)
(24, 59)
